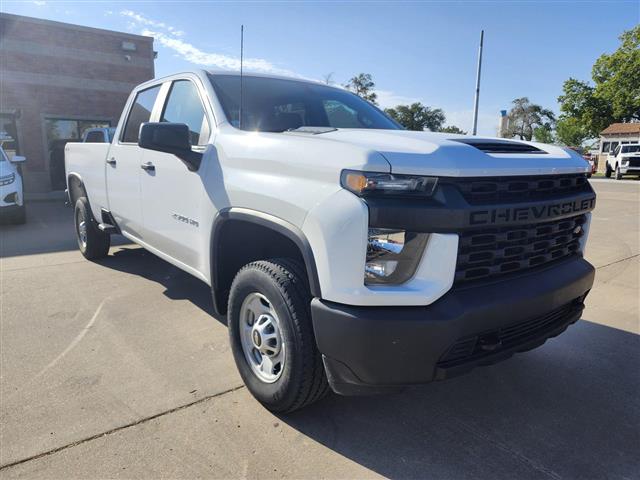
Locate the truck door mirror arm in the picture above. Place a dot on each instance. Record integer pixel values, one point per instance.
(170, 138)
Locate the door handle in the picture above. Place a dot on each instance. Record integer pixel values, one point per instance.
(149, 167)
(112, 161)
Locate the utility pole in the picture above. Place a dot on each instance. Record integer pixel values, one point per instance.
(477, 99)
(241, 78)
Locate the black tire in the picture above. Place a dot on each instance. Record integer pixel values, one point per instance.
(618, 174)
(302, 380)
(607, 170)
(95, 243)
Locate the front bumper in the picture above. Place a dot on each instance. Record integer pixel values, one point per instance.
(379, 349)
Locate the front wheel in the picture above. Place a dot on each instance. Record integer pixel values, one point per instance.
(271, 335)
(618, 173)
(92, 242)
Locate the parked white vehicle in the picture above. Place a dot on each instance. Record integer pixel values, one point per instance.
(625, 160)
(344, 251)
(12, 207)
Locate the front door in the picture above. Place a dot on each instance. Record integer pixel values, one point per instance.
(173, 198)
(123, 166)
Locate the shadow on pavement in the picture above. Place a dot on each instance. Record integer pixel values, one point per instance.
(49, 228)
(569, 409)
(178, 285)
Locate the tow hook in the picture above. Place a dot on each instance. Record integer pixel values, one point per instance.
(489, 342)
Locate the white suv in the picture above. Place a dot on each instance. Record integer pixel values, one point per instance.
(625, 160)
(12, 206)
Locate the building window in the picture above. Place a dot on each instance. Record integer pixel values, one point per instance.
(606, 146)
(60, 131)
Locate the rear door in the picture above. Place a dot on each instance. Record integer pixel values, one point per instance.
(123, 170)
(172, 196)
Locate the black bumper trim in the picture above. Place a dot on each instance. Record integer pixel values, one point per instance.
(375, 349)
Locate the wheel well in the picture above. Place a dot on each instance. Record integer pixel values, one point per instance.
(76, 189)
(239, 242)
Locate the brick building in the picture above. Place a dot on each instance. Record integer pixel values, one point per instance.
(58, 79)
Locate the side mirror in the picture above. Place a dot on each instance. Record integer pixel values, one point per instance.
(170, 138)
(18, 159)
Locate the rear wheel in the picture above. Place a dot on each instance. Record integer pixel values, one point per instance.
(92, 242)
(272, 336)
(608, 171)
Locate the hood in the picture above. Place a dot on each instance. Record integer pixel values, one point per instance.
(426, 153)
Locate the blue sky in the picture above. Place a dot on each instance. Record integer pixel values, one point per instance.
(416, 51)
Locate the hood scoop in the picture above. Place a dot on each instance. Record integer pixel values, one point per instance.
(497, 146)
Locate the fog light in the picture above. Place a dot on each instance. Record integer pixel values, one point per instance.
(392, 255)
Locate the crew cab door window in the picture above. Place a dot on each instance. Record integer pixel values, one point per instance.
(184, 106)
(140, 113)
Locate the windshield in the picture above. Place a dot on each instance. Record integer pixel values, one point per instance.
(278, 105)
(630, 148)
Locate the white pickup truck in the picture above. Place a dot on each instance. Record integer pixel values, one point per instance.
(346, 252)
(624, 160)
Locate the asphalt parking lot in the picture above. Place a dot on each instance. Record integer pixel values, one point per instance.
(117, 369)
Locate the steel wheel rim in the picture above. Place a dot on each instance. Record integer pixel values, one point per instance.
(261, 337)
(82, 228)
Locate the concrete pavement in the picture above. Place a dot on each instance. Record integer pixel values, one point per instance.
(117, 369)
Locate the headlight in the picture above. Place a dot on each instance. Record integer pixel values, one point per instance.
(392, 255)
(7, 179)
(372, 183)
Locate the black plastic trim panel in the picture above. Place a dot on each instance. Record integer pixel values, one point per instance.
(373, 349)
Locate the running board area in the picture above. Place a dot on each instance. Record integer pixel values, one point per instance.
(108, 224)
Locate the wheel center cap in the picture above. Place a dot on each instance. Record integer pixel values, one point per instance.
(257, 340)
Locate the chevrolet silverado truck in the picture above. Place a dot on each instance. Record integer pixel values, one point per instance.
(625, 160)
(345, 252)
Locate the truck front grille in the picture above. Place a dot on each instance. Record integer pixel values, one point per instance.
(634, 162)
(492, 252)
(491, 190)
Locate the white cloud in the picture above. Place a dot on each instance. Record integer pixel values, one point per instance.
(169, 37)
(39, 3)
(196, 56)
(389, 99)
(151, 23)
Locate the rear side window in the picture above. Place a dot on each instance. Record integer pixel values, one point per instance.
(140, 113)
(184, 106)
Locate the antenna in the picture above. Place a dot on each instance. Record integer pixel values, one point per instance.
(477, 99)
(241, 79)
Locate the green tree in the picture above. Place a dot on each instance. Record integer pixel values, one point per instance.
(543, 134)
(615, 93)
(525, 117)
(363, 85)
(417, 116)
(452, 129)
(570, 131)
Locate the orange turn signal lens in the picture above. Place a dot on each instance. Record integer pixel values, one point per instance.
(356, 182)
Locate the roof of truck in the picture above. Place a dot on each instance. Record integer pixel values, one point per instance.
(264, 75)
